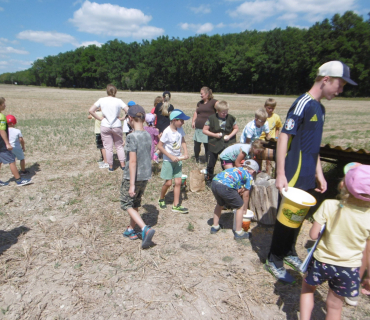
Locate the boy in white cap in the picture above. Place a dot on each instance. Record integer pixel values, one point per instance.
(227, 187)
(298, 160)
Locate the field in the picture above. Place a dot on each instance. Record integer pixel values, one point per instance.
(62, 253)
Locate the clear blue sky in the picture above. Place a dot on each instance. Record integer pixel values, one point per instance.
(32, 29)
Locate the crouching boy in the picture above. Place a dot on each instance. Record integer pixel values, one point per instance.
(231, 189)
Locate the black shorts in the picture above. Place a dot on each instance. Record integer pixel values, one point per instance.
(226, 196)
(99, 143)
(132, 202)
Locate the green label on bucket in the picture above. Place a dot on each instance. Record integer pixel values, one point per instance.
(295, 217)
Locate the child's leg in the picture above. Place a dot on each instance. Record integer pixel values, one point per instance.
(14, 170)
(334, 304)
(217, 215)
(165, 187)
(211, 162)
(197, 149)
(135, 218)
(239, 219)
(306, 301)
(176, 192)
(23, 165)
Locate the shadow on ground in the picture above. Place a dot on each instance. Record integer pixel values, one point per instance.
(9, 238)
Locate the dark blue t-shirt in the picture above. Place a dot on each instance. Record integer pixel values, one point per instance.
(304, 122)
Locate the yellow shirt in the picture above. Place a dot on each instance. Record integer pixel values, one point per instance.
(274, 123)
(97, 122)
(344, 239)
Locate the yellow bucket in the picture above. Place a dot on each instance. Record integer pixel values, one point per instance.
(294, 207)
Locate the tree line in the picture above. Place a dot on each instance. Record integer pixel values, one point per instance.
(280, 61)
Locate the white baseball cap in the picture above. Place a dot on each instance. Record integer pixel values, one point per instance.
(251, 164)
(336, 69)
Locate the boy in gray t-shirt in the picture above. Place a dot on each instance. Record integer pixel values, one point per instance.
(136, 175)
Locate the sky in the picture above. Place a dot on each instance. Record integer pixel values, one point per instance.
(33, 29)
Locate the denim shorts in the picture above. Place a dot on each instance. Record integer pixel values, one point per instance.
(344, 281)
(7, 157)
(135, 201)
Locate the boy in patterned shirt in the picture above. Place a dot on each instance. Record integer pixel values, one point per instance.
(227, 187)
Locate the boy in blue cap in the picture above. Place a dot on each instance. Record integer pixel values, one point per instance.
(170, 144)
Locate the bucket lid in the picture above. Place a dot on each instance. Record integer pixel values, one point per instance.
(299, 196)
(249, 214)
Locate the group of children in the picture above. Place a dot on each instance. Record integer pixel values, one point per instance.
(12, 146)
(347, 220)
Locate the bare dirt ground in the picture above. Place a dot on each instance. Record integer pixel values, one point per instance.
(62, 253)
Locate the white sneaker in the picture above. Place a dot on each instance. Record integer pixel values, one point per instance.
(103, 165)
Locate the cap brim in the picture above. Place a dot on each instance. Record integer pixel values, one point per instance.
(348, 80)
(183, 117)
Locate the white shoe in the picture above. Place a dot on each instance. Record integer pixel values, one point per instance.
(103, 165)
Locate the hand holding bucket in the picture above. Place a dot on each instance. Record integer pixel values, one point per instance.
(294, 206)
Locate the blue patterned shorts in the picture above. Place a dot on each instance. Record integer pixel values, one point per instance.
(344, 281)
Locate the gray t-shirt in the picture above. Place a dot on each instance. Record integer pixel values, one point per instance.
(141, 143)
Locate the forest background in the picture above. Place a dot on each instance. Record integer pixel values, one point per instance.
(279, 61)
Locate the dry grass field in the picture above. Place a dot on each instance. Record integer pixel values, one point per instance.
(62, 253)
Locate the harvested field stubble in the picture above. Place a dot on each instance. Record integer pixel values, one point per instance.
(63, 255)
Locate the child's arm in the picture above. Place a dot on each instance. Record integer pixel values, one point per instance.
(183, 145)
(21, 140)
(206, 131)
(315, 230)
(241, 156)
(132, 165)
(281, 150)
(233, 133)
(92, 111)
(162, 149)
(320, 179)
(5, 138)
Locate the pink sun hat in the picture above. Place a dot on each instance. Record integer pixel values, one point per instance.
(358, 182)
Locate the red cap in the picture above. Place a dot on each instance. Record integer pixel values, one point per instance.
(11, 119)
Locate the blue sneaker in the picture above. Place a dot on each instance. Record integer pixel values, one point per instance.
(293, 262)
(131, 234)
(214, 230)
(147, 236)
(23, 181)
(279, 273)
(3, 184)
(244, 235)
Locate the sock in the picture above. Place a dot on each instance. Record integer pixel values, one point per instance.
(143, 228)
(240, 232)
(216, 227)
(129, 228)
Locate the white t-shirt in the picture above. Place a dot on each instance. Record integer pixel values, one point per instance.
(14, 135)
(111, 108)
(125, 127)
(172, 142)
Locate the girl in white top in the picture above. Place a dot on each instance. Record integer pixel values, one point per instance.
(111, 126)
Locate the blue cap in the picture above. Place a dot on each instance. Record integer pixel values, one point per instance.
(178, 114)
(131, 103)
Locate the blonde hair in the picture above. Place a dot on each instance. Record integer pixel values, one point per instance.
(165, 105)
(257, 145)
(2, 100)
(261, 113)
(157, 100)
(270, 103)
(208, 91)
(222, 105)
(111, 90)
